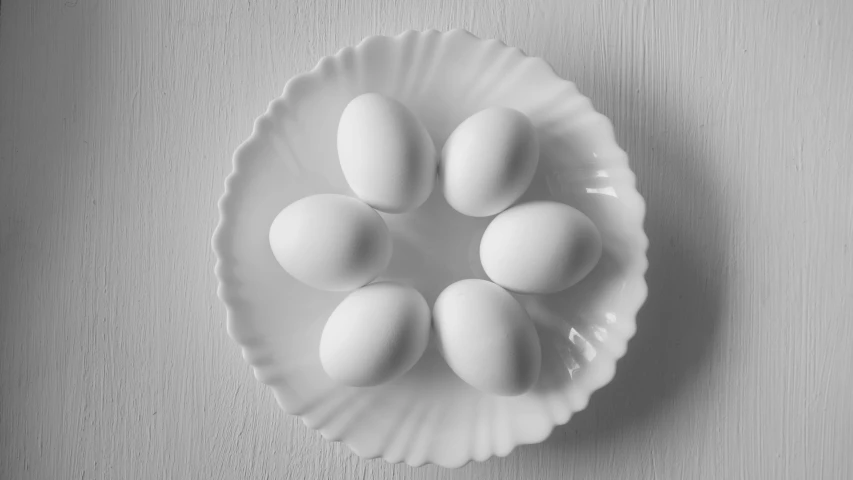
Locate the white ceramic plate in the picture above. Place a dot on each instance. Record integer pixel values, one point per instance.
(429, 415)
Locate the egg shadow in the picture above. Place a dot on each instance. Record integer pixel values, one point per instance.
(678, 325)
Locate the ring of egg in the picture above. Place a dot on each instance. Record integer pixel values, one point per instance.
(339, 243)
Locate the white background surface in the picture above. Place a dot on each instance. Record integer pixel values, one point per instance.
(117, 124)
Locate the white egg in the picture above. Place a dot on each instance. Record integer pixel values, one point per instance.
(331, 242)
(386, 154)
(540, 247)
(487, 337)
(488, 162)
(376, 334)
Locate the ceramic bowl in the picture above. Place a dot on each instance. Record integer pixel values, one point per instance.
(429, 414)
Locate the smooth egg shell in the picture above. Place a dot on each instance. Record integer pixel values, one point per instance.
(377, 333)
(488, 161)
(386, 154)
(331, 242)
(487, 338)
(540, 247)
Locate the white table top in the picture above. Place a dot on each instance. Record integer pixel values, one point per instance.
(117, 124)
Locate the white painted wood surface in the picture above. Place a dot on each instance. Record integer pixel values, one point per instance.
(118, 120)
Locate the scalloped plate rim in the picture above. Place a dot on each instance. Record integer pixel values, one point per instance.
(224, 220)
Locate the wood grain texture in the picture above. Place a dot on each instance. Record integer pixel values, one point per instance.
(117, 124)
